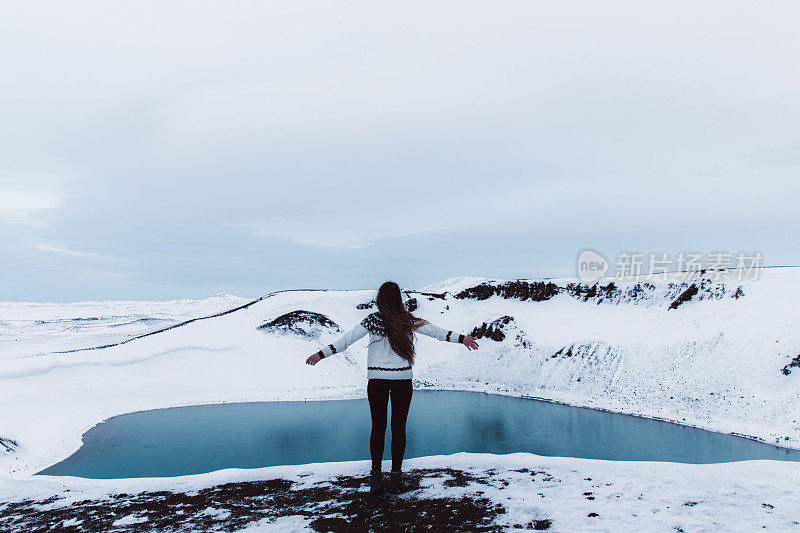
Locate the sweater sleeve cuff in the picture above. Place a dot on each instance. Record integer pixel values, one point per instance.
(328, 350)
(451, 337)
(321, 354)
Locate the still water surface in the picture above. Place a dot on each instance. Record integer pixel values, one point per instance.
(191, 440)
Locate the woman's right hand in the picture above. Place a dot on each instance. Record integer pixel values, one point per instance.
(470, 343)
(314, 359)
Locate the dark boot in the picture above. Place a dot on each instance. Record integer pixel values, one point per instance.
(376, 482)
(396, 483)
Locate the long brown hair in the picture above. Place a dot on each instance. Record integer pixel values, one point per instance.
(398, 321)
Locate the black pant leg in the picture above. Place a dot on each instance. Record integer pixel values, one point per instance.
(401, 392)
(378, 396)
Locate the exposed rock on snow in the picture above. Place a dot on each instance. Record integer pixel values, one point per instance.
(583, 350)
(411, 303)
(793, 363)
(493, 330)
(7, 445)
(614, 292)
(431, 296)
(535, 291)
(685, 296)
(305, 323)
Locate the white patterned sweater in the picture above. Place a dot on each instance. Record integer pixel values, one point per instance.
(382, 361)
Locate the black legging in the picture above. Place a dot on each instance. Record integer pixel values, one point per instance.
(378, 391)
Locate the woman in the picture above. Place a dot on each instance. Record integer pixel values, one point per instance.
(390, 357)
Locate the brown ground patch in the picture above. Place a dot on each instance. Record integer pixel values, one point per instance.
(339, 504)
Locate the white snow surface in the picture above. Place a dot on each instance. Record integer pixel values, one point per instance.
(30, 328)
(453, 285)
(713, 362)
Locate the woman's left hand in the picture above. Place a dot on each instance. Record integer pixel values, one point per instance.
(314, 359)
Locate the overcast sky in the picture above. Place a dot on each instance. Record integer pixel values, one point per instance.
(153, 150)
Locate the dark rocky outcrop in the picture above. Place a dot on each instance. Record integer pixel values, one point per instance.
(648, 293)
(794, 363)
(685, 296)
(704, 289)
(600, 351)
(492, 330)
(434, 295)
(7, 445)
(300, 322)
(535, 291)
(611, 293)
(411, 304)
(586, 292)
(641, 293)
(572, 349)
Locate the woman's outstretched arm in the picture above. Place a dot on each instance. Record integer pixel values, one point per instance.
(339, 345)
(446, 335)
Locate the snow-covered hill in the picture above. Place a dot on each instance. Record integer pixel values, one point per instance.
(719, 354)
(712, 353)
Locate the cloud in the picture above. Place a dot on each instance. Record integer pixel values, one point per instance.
(244, 143)
(336, 234)
(310, 233)
(76, 253)
(363, 217)
(118, 275)
(20, 206)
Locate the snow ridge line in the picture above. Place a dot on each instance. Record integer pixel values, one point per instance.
(185, 322)
(49, 368)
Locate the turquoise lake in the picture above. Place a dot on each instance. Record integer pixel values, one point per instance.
(191, 440)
